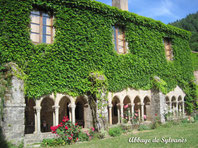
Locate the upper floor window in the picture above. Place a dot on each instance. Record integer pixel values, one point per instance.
(42, 30)
(121, 46)
(168, 48)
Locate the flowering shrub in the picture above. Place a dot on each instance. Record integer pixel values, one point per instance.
(91, 131)
(135, 118)
(67, 131)
(89, 134)
(144, 117)
(127, 114)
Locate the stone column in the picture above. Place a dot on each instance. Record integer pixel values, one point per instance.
(139, 112)
(142, 111)
(56, 114)
(121, 110)
(118, 110)
(73, 106)
(36, 122)
(180, 110)
(176, 108)
(38, 113)
(70, 114)
(132, 110)
(169, 107)
(54, 119)
(129, 115)
(183, 109)
(110, 114)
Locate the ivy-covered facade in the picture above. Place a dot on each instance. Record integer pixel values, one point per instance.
(84, 44)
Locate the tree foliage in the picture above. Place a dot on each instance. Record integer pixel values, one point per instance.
(190, 23)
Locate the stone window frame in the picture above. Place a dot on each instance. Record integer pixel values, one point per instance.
(43, 29)
(168, 48)
(119, 36)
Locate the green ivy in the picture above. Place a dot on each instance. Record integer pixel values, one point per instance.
(83, 44)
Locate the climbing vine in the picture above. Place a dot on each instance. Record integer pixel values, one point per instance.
(83, 44)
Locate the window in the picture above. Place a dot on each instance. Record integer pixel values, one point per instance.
(41, 27)
(168, 49)
(121, 46)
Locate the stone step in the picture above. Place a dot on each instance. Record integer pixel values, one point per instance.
(32, 146)
(31, 139)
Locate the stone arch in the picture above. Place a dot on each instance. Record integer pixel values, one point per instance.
(80, 111)
(47, 114)
(137, 102)
(126, 108)
(168, 103)
(64, 109)
(115, 110)
(147, 109)
(167, 99)
(29, 116)
(179, 99)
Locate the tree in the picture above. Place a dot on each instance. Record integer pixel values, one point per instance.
(190, 23)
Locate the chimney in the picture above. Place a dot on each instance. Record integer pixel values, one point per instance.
(121, 4)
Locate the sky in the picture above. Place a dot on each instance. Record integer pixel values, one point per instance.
(166, 11)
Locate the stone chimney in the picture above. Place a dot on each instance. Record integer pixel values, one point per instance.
(121, 4)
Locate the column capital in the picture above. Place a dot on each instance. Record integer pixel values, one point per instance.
(142, 104)
(110, 105)
(121, 104)
(37, 108)
(56, 106)
(72, 105)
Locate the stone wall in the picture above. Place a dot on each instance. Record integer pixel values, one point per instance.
(158, 105)
(14, 108)
(196, 76)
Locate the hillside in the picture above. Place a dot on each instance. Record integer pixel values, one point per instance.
(190, 23)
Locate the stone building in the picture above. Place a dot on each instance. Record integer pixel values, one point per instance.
(30, 119)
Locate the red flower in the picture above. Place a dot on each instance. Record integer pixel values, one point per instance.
(93, 129)
(70, 138)
(126, 106)
(72, 135)
(65, 119)
(66, 127)
(76, 124)
(155, 114)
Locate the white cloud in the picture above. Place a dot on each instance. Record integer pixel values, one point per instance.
(157, 8)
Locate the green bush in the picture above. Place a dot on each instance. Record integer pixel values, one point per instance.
(155, 125)
(196, 117)
(83, 137)
(167, 124)
(185, 121)
(53, 142)
(115, 131)
(143, 127)
(102, 134)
